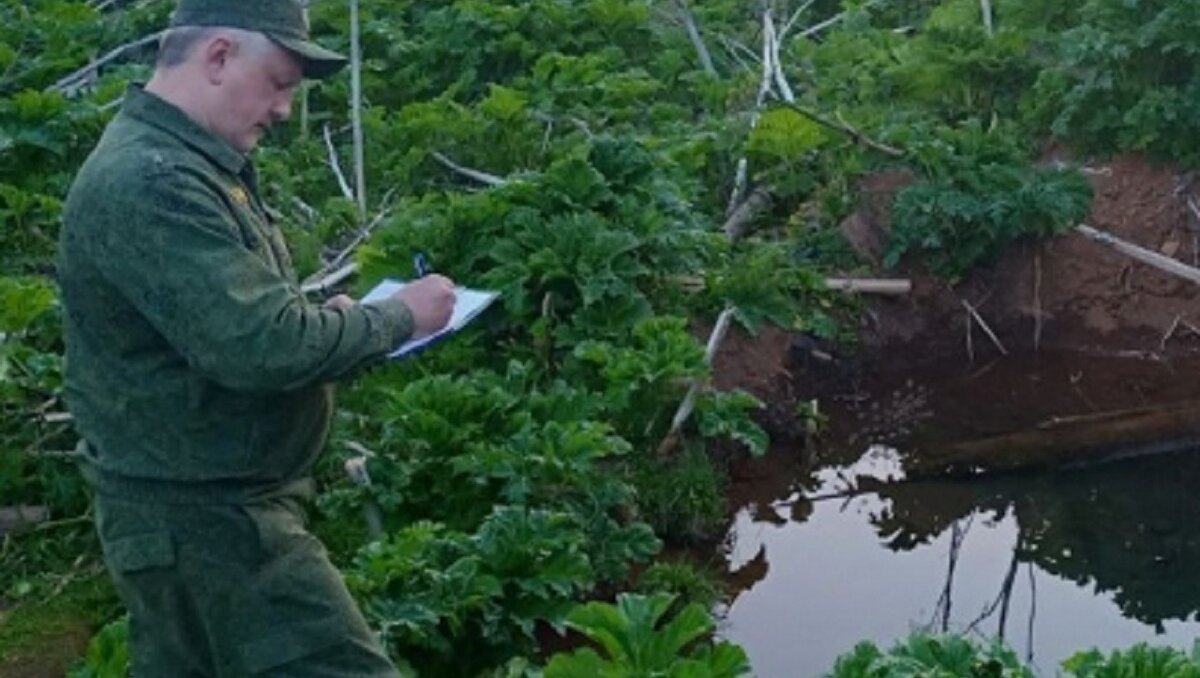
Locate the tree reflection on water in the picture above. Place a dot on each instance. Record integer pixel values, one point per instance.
(1129, 528)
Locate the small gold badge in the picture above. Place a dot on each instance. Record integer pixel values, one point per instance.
(239, 196)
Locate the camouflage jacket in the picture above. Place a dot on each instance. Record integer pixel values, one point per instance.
(195, 366)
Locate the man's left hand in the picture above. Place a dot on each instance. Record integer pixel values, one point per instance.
(340, 302)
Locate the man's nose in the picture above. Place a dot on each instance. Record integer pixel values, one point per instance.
(282, 110)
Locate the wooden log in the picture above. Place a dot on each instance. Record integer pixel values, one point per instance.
(21, 518)
(1149, 257)
(890, 287)
(880, 286)
(1086, 439)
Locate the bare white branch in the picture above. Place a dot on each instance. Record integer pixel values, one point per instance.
(739, 221)
(70, 83)
(336, 166)
(791, 23)
(741, 177)
(1150, 257)
(983, 324)
(577, 122)
(689, 401)
(773, 39)
(477, 175)
(833, 20)
(882, 286)
(735, 47)
(734, 55)
(327, 283)
(689, 23)
(309, 212)
(360, 172)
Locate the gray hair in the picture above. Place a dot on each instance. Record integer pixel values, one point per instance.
(178, 43)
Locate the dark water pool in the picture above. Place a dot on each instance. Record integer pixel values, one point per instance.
(1054, 561)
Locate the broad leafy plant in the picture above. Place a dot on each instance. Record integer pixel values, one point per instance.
(637, 638)
(923, 654)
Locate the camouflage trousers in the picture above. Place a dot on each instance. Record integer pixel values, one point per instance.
(232, 591)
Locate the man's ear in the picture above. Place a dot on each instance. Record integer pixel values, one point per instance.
(216, 53)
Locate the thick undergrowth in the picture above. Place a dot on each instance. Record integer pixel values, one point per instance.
(618, 170)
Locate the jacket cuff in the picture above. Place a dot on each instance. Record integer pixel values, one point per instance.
(395, 320)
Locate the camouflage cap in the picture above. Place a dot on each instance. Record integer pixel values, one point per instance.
(284, 21)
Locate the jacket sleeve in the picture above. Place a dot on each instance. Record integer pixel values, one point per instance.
(175, 253)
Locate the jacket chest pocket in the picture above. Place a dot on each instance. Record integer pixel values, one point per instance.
(263, 239)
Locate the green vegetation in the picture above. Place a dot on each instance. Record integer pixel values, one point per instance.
(107, 653)
(931, 655)
(45, 632)
(638, 639)
(516, 469)
(949, 655)
(1141, 660)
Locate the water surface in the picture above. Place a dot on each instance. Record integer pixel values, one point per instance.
(1054, 561)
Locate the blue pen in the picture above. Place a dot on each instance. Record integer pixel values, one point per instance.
(421, 264)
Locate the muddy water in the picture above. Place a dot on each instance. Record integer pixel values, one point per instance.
(1054, 561)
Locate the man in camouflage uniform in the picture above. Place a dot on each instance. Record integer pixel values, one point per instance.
(199, 376)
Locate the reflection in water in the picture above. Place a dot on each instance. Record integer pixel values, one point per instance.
(1130, 528)
(1108, 555)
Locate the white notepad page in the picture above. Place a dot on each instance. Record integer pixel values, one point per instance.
(468, 303)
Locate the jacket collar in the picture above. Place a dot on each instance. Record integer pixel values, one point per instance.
(152, 110)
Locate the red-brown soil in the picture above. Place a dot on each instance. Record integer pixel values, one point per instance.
(1089, 297)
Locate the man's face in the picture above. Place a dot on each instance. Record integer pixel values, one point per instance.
(255, 93)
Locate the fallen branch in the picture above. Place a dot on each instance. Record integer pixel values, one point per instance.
(577, 122)
(1194, 227)
(1037, 300)
(986, 329)
(52, 454)
(1089, 438)
(791, 23)
(689, 23)
(771, 37)
(846, 128)
(1170, 332)
(880, 286)
(1179, 322)
(327, 283)
(689, 401)
(337, 166)
(22, 517)
(356, 104)
(477, 175)
(310, 212)
(741, 176)
(739, 221)
(71, 82)
(356, 469)
(65, 522)
(733, 46)
(970, 339)
(1149, 257)
(104, 108)
(808, 33)
(358, 240)
(892, 287)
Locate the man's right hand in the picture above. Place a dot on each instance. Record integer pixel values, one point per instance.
(431, 301)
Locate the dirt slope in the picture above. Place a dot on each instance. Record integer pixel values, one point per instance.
(1089, 296)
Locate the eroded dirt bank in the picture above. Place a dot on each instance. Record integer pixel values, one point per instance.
(1067, 294)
